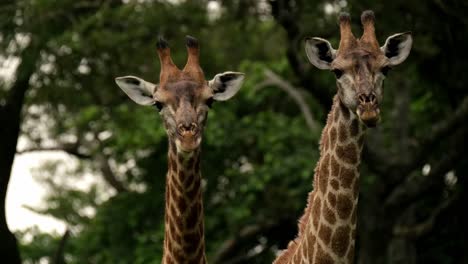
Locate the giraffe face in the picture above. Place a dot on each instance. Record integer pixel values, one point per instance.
(184, 106)
(182, 98)
(360, 74)
(360, 65)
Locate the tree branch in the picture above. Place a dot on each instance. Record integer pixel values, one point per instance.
(72, 149)
(439, 131)
(69, 149)
(398, 168)
(282, 11)
(414, 187)
(424, 227)
(59, 254)
(25, 70)
(231, 245)
(276, 80)
(276, 231)
(108, 173)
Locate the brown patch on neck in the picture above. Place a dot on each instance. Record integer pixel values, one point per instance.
(354, 128)
(332, 136)
(332, 199)
(324, 172)
(348, 153)
(342, 133)
(335, 167)
(172, 163)
(325, 233)
(322, 257)
(344, 110)
(328, 214)
(356, 188)
(336, 114)
(344, 206)
(335, 184)
(316, 210)
(346, 177)
(324, 143)
(340, 240)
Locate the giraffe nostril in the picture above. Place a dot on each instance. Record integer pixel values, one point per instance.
(367, 98)
(363, 99)
(191, 128)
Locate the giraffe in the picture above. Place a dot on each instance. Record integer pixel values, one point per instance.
(183, 98)
(327, 230)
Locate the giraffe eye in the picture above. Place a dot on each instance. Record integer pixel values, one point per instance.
(338, 73)
(209, 102)
(385, 70)
(158, 106)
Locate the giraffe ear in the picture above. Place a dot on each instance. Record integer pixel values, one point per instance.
(397, 47)
(225, 85)
(320, 52)
(139, 90)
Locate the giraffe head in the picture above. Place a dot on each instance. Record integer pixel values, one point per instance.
(360, 65)
(182, 97)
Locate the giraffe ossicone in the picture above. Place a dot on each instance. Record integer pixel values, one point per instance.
(183, 98)
(327, 230)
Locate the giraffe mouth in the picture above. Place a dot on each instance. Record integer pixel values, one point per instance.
(369, 114)
(188, 144)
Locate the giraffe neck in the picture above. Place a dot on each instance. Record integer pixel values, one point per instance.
(184, 240)
(327, 230)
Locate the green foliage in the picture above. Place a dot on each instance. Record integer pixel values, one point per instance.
(258, 153)
(127, 229)
(37, 245)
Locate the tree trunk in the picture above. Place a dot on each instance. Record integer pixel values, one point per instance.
(8, 138)
(8, 245)
(10, 120)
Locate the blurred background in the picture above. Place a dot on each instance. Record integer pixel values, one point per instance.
(87, 185)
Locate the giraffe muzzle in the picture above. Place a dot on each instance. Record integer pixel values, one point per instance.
(368, 114)
(368, 109)
(188, 137)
